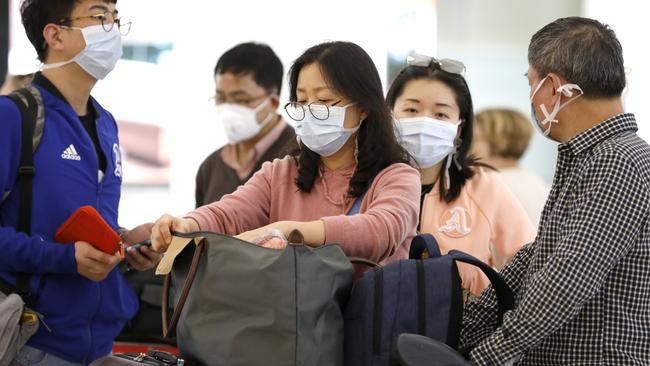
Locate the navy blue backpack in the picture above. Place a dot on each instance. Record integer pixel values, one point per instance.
(421, 296)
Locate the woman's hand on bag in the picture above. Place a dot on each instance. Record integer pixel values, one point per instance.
(313, 231)
(252, 235)
(161, 233)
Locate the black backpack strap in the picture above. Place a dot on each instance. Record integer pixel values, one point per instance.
(29, 106)
(505, 297)
(422, 243)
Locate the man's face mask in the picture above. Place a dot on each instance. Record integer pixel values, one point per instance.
(549, 118)
(99, 57)
(240, 123)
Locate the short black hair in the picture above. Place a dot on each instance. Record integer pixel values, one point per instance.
(256, 59)
(36, 14)
(582, 50)
(349, 70)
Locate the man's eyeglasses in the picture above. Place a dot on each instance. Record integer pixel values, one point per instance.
(445, 64)
(242, 101)
(297, 111)
(107, 20)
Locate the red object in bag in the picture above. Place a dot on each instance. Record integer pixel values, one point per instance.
(86, 224)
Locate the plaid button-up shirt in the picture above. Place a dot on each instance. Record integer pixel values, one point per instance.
(583, 287)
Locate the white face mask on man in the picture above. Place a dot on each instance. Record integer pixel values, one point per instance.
(325, 137)
(240, 123)
(549, 118)
(99, 57)
(427, 139)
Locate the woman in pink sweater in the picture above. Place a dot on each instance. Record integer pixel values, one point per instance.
(347, 148)
(464, 204)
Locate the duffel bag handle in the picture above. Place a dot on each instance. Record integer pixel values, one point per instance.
(364, 262)
(169, 325)
(505, 297)
(423, 242)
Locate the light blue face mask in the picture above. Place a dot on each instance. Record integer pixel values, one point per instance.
(103, 50)
(325, 137)
(549, 118)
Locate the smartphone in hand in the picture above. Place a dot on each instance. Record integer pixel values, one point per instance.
(137, 246)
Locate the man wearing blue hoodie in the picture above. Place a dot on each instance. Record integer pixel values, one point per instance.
(82, 296)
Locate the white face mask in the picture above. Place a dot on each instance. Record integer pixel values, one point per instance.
(427, 139)
(549, 118)
(324, 137)
(239, 122)
(103, 50)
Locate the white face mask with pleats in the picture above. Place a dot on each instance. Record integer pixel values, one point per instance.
(240, 123)
(427, 139)
(325, 137)
(99, 57)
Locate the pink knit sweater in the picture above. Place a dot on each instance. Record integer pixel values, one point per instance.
(382, 232)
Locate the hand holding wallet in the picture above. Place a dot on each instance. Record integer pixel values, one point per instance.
(86, 224)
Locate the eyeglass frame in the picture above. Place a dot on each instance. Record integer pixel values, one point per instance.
(304, 113)
(101, 17)
(419, 60)
(215, 98)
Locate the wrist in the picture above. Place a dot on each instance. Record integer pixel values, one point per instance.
(193, 224)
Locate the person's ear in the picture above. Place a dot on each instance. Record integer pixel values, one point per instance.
(53, 36)
(363, 114)
(275, 101)
(556, 81)
(461, 125)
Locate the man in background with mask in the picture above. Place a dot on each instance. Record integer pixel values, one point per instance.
(582, 288)
(248, 81)
(84, 300)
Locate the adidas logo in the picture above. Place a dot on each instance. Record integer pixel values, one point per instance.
(71, 153)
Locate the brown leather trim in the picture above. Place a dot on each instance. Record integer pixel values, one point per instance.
(169, 326)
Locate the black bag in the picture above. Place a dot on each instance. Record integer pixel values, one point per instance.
(417, 350)
(146, 325)
(154, 358)
(416, 295)
(19, 322)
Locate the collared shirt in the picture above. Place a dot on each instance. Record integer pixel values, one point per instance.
(583, 286)
(245, 169)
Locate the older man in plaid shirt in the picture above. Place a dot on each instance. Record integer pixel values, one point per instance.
(583, 287)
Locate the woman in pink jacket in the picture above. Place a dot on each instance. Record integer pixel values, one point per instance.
(347, 148)
(464, 204)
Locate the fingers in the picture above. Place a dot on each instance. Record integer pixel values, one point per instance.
(150, 254)
(137, 260)
(161, 235)
(90, 252)
(138, 233)
(92, 263)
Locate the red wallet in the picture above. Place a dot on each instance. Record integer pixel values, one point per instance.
(86, 224)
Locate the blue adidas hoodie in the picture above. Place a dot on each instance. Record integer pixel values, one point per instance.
(83, 316)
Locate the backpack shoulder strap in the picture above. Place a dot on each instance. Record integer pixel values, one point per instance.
(32, 112)
(505, 297)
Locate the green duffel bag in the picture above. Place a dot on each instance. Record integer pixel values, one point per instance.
(236, 303)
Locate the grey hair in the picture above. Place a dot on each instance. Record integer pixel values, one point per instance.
(584, 51)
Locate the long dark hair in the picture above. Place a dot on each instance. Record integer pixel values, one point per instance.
(457, 83)
(349, 70)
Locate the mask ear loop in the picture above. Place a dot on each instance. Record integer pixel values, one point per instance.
(565, 90)
(452, 157)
